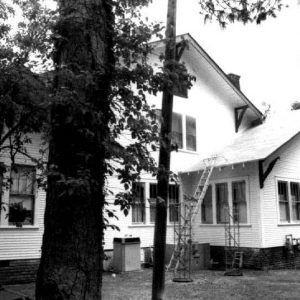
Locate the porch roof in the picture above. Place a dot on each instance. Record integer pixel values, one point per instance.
(258, 142)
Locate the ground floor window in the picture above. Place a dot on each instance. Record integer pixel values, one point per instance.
(152, 201)
(138, 203)
(174, 203)
(144, 202)
(221, 202)
(288, 200)
(207, 207)
(22, 195)
(239, 202)
(224, 198)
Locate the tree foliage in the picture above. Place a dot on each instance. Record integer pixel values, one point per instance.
(245, 11)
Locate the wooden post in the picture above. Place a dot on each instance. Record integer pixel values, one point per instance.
(158, 280)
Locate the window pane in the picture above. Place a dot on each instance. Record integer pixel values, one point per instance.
(152, 200)
(283, 201)
(239, 201)
(180, 89)
(177, 130)
(191, 134)
(295, 201)
(138, 204)
(222, 202)
(23, 179)
(21, 199)
(173, 203)
(206, 207)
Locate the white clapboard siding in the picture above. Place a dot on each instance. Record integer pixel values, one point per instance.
(211, 101)
(250, 233)
(210, 105)
(25, 242)
(287, 168)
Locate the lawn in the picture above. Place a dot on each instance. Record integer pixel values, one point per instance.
(283, 284)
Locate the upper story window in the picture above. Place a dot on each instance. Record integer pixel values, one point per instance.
(138, 204)
(183, 131)
(177, 130)
(181, 90)
(289, 200)
(22, 195)
(191, 134)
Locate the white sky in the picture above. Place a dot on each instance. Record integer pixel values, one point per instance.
(266, 56)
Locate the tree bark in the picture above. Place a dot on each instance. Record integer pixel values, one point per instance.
(72, 252)
(158, 280)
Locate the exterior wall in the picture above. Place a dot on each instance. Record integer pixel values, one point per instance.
(144, 231)
(18, 271)
(250, 233)
(287, 168)
(215, 127)
(212, 107)
(260, 258)
(25, 242)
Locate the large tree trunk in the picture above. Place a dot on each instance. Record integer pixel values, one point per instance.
(71, 262)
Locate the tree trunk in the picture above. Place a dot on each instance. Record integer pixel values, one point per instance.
(158, 280)
(72, 253)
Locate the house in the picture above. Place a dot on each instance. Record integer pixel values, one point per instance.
(255, 171)
(214, 113)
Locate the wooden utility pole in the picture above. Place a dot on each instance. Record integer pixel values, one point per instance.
(158, 280)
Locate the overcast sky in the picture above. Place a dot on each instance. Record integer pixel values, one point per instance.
(266, 56)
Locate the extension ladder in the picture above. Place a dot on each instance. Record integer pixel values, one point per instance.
(178, 254)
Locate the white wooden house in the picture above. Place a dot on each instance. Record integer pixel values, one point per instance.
(256, 171)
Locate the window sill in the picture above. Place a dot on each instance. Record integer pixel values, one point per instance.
(222, 225)
(187, 151)
(288, 224)
(25, 227)
(146, 225)
(140, 225)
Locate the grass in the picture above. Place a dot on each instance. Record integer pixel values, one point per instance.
(284, 284)
(273, 285)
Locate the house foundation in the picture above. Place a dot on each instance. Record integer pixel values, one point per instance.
(261, 258)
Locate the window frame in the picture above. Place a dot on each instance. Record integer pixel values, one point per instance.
(229, 182)
(184, 118)
(147, 205)
(6, 194)
(288, 182)
(142, 205)
(238, 203)
(22, 196)
(203, 215)
(190, 118)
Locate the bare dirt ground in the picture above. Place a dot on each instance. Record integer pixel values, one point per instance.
(283, 284)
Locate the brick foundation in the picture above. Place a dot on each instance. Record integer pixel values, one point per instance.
(18, 271)
(261, 258)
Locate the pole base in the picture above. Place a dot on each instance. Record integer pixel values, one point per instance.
(182, 280)
(234, 272)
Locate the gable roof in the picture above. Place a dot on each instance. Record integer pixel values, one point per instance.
(237, 94)
(258, 142)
